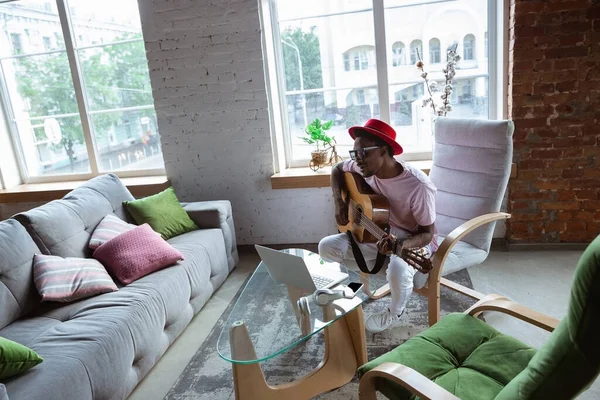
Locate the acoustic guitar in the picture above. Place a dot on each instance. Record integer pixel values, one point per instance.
(368, 217)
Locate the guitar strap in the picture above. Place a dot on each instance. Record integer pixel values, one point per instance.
(360, 259)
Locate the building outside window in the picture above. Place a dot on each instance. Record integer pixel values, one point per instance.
(341, 77)
(86, 120)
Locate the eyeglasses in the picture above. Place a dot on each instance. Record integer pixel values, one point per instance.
(361, 153)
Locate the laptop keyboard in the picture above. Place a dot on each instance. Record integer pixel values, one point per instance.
(321, 281)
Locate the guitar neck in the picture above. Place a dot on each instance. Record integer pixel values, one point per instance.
(371, 227)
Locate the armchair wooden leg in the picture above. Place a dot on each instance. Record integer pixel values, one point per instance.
(433, 303)
(366, 389)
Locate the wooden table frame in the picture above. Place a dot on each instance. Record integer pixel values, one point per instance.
(345, 351)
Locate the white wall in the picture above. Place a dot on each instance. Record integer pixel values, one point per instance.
(207, 76)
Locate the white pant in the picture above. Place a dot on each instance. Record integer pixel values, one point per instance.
(400, 276)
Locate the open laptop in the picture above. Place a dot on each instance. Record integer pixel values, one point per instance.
(292, 270)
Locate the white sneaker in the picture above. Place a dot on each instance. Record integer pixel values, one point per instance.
(381, 321)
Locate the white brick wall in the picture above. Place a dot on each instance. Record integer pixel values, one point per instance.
(206, 68)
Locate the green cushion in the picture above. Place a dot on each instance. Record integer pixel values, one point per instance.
(569, 361)
(462, 354)
(162, 212)
(16, 358)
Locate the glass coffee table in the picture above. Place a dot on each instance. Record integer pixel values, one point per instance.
(265, 301)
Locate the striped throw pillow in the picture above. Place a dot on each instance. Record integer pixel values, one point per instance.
(110, 227)
(69, 279)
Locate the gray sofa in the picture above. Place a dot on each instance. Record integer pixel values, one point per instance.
(101, 347)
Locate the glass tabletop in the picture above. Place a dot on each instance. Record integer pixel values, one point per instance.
(269, 310)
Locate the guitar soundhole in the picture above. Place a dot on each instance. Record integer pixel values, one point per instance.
(359, 213)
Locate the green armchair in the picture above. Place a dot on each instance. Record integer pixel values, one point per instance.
(462, 357)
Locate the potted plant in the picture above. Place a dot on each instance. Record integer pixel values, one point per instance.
(316, 134)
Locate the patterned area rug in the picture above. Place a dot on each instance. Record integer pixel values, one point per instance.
(209, 377)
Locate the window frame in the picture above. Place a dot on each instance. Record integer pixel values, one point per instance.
(497, 57)
(84, 111)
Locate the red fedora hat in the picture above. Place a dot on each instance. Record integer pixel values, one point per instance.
(380, 129)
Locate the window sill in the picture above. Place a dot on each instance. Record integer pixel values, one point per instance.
(34, 192)
(298, 178)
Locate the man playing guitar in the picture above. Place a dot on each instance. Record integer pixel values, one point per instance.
(411, 197)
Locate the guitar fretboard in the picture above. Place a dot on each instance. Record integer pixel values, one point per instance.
(367, 223)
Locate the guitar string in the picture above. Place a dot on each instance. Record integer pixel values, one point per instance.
(375, 230)
(368, 223)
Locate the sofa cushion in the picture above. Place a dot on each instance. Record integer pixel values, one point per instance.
(136, 253)
(205, 262)
(71, 278)
(163, 213)
(96, 342)
(16, 358)
(109, 228)
(64, 227)
(114, 338)
(18, 295)
(462, 354)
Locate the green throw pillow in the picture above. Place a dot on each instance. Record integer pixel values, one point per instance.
(16, 358)
(162, 212)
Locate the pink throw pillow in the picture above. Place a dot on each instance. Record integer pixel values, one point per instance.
(69, 279)
(136, 253)
(110, 227)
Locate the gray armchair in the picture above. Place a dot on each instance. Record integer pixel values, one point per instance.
(471, 167)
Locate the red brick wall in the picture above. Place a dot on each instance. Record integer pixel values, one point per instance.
(554, 100)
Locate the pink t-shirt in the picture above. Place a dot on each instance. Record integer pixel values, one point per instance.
(411, 197)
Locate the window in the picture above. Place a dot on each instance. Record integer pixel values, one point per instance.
(346, 62)
(360, 96)
(17, 43)
(416, 51)
(398, 54)
(114, 128)
(363, 57)
(47, 43)
(434, 51)
(342, 81)
(469, 47)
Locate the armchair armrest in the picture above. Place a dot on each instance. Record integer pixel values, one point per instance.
(216, 214)
(405, 377)
(494, 302)
(458, 233)
(208, 214)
